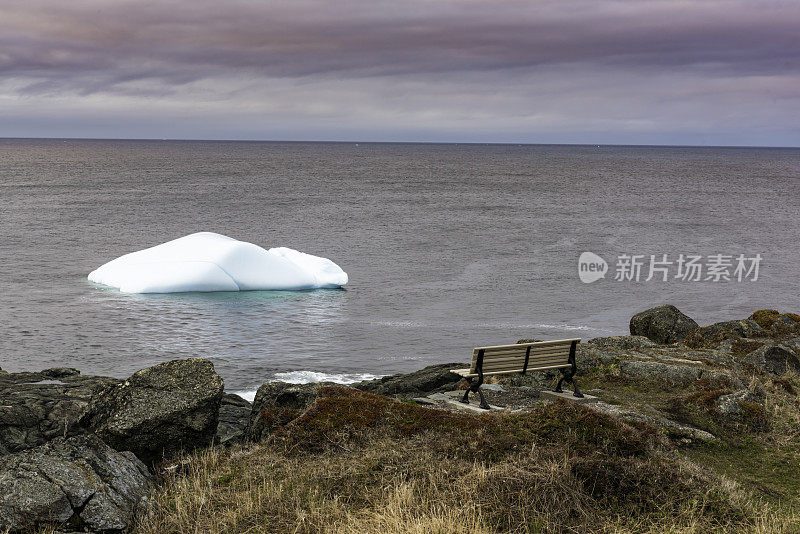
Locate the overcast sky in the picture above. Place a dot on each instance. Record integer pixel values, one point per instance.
(719, 72)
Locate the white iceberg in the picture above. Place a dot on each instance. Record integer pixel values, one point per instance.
(206, 261)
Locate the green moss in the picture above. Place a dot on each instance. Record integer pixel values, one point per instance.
(777, 324)
(765, 318)
(772, 472)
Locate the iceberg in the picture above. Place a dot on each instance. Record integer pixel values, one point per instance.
(206, 261)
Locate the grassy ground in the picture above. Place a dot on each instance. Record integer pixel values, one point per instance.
(360, 463)
(768, 460)
(761, 454)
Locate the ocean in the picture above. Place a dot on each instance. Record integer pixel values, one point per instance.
(447, 247)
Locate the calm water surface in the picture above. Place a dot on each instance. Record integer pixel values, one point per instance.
(447, 247)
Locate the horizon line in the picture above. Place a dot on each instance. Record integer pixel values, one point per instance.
(498, 143)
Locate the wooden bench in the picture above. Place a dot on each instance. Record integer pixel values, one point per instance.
(521, 358)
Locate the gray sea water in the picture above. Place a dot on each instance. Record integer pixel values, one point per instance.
(448, 247)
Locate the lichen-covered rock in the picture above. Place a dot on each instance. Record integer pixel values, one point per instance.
(731, 404)
(662, 324)
(712, 335)
(602, 351)
(159, 410)
(721, 379)
(276, 404)
(792, 343)
(431, 379)
(36, 407)
(681, 375)
(74, 483)
(742, 407)
(234, 413)
(675, 431)
(622, 343)
(774, 359)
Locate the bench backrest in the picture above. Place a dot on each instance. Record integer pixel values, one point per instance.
(522, 357)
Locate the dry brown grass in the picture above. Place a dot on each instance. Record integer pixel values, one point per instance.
(358, 463)
(783, 410)
(278, 495)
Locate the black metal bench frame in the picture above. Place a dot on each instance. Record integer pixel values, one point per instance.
(567, 375)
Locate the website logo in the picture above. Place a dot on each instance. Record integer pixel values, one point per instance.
(591, 267)
(665, 268)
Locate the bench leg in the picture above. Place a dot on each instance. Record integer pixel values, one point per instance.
(483, 404)
(475, 387)
(568, 376)
(576, 392)
(465, 398)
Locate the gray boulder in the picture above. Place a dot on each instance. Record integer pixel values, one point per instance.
(774, 359)
(662, 324)
(159, 410)
(431, 379)
(37, 407)
(77, 483)
(276, 404)
(234, 413)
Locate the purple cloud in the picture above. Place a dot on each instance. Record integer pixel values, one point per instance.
(206, 51)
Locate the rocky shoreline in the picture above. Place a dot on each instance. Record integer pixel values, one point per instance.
(81, 453)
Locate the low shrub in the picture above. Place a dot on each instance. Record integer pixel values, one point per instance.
(359, 463)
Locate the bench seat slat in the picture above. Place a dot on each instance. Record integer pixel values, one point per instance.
(521, 357)
(533, 356)
(512, 371)
(522, 346)
(519, 364)
(520, 361)
(536, 344)
(509, 359)
(521, 354)
(523, 350)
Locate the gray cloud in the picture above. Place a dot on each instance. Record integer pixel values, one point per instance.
(477, 62)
